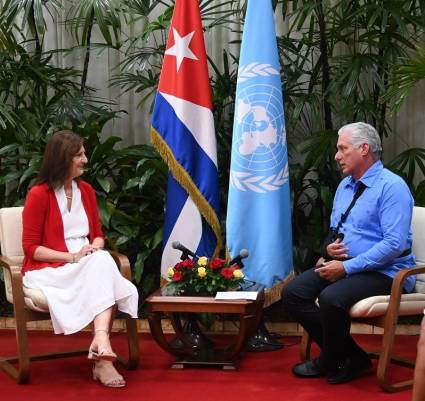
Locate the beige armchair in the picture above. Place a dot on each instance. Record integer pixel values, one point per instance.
(30, 305)
(384, 311)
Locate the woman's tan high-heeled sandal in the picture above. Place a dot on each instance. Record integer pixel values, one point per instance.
(106, 355)
(117, 381)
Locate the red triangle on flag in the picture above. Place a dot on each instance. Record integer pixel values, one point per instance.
(184, 70)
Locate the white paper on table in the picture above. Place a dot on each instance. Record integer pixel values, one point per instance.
(226, 295)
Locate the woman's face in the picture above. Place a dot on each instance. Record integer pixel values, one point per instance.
(78, 163)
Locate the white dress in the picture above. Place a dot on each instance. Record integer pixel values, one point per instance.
(77, 292)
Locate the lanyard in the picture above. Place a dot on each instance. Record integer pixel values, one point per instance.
(356, 196)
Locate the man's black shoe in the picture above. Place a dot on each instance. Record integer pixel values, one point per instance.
(349, 370)
(309, 368)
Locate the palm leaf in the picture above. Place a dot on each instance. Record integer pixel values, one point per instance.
(404, 77)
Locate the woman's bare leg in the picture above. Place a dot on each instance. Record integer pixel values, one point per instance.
(101, 328)
(104, 370)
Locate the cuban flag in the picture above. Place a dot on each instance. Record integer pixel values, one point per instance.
(183, 133)
(259, 209)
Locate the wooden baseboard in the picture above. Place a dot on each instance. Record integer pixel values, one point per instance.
(220, 327)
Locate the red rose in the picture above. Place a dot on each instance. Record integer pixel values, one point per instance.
(178, 266)
(227, 273)
(187, 263)
(177, 276)
(183, 265)
(216, 263)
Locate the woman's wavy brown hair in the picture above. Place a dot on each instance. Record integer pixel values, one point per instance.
(57, 159)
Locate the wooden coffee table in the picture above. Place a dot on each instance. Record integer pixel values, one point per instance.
(188, 354)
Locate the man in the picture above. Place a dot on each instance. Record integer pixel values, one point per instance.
(372, 242)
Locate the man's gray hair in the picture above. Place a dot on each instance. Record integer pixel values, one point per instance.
(360, 133)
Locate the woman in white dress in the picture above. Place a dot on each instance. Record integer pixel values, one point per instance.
(64, 257)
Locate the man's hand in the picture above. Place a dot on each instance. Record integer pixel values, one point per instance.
(337, 250)
(331, 271)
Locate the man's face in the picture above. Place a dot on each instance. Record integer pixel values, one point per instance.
(350, 158)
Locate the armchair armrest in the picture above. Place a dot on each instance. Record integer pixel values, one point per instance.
(14, 271)
(397, 288)
(9, 264)
(123, 264)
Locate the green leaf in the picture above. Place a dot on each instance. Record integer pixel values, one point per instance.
(9, 177)
(106, 210)
(131, 183)
(122, 240)
(104, 183)
(9, 148)
(140, 264)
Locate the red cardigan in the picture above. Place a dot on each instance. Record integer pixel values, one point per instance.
(43, 225)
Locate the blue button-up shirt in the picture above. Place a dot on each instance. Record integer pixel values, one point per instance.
(377, 229)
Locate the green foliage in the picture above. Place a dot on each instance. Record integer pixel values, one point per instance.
(404, 76)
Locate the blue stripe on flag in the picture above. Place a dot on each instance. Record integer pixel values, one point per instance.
(186, 150)
(208, 240)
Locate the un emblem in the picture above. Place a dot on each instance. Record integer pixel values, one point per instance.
(259, 157)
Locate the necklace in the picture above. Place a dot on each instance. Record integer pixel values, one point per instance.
(69, 197)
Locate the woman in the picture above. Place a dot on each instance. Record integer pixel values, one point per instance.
(64, 257)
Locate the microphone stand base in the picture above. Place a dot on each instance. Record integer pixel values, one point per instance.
(262, 340)
(192, 334)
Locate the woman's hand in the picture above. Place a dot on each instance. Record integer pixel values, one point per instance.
(98, 244)
(95, 246)
(84, 251)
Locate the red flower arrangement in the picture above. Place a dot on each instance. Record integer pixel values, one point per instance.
(203, 277)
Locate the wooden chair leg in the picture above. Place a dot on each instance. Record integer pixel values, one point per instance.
(23, 351)
(133, 343)
(305, 349)
(384, 363)
(21, 373)
(132, 361)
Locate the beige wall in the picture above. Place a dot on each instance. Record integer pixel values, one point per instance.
(408, 124)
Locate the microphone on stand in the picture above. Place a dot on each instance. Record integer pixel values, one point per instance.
(185, 252)
(243, 253)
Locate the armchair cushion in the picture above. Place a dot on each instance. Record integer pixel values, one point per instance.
(410, 304)
(11, 232)
(11, 247)
(34, 298)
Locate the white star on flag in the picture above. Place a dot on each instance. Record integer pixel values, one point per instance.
(180, 49)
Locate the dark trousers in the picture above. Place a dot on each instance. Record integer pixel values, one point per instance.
(329, 325)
